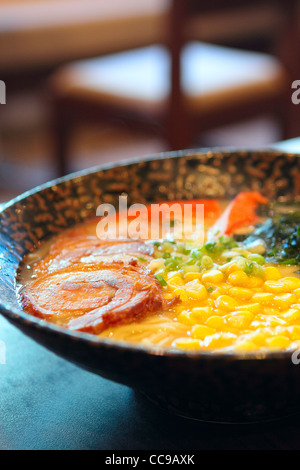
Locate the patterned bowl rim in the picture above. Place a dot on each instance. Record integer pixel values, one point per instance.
(23, 318)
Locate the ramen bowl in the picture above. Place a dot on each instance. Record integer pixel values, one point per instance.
(226, 387)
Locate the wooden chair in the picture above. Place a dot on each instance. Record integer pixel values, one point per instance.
(182, 88)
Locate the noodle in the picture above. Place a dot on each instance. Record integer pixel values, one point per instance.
(159, 330)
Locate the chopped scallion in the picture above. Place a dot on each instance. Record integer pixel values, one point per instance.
(161, 280)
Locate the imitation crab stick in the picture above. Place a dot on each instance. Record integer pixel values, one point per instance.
(159, 216)
(241, 212)
(212, 209)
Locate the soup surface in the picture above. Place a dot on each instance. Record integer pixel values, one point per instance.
(234, 288)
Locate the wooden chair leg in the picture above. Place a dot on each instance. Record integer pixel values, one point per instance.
(179, 132)
(61, 133)
(290, 121)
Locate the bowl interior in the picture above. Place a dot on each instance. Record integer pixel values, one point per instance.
(211, 387)
(43, 212)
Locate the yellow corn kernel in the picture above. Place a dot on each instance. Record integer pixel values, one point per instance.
(263, 297)
(255, 281)
(295, 333)
(200, 294)
(185, 317)
(297, 293)
(182, 294)
(245, 345)
(222, 289)
(232, 268)
(238, 278)
(247, 314)
(172, 274)
(216, 322)
(260, 319)
(214, 276)
(220, 312)
(219, 340)
(280, 342)
(276, 287)
(270, 311)
(224, 302)
(213, 295)
(195, 290)
(240, 293)
(258, 324)
(284, 301)
(253, 308)
(274, 320)
(201, 331)
(295, 345)
(240, 320)
(187, 343)
(191, 276)
(175, 282)
(291, 315)
(194, 284)
(291, 282)
(258, 337)
(272, 273)
(201, 313)
(296, 306)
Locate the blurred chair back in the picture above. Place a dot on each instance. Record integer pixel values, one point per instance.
(250, 74)
(276, 34)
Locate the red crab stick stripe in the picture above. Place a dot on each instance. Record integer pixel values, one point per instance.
(212, 208)
(240, 212)
(162, 213)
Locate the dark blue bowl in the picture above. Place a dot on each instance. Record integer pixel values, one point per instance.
(222, 387)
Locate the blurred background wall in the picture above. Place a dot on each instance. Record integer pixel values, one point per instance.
(39, 37)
